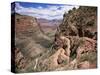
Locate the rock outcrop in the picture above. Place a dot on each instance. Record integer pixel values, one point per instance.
(80, 27)
(80, 22)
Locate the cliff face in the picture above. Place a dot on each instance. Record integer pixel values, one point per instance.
(80, 22)
(26, 25)
(29, 36)
(30, 41)
(80, 27)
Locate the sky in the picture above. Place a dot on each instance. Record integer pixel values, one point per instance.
(42, 10)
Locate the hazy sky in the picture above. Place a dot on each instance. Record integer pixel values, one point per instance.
(42, 10)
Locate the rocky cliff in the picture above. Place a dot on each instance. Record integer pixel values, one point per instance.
(80, 27)
(30, 41)
(29, 36)
(80, 22)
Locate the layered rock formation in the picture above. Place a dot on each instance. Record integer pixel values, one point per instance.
(29, 37)
(30, 41)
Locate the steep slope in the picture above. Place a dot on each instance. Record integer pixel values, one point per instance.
(29, 36)
(80, 27)
(30, 41)
(81, 22)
